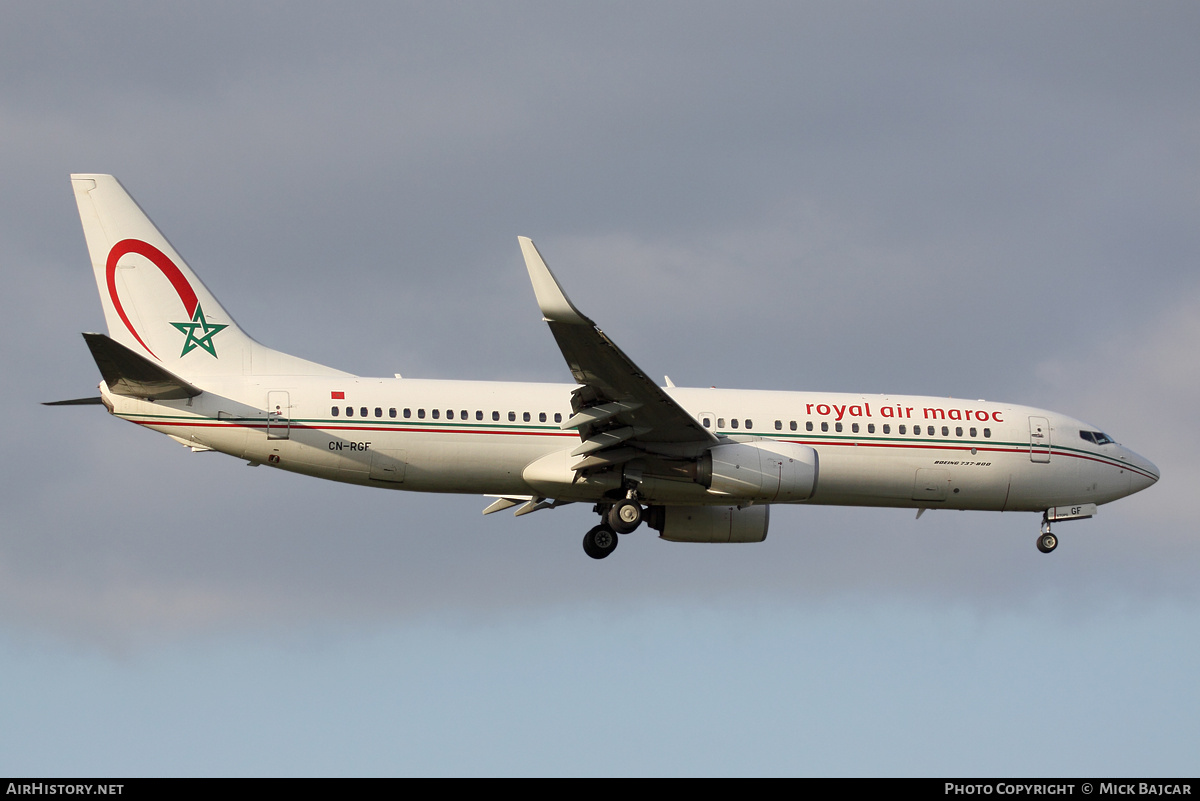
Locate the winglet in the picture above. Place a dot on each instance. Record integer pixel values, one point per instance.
(555, 305)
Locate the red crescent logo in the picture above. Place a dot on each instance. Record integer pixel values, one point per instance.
(186, 294)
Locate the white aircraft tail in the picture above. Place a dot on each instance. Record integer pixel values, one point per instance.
(154, 304)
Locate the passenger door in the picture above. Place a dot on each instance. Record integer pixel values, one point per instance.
(1039, 440)
(279, 415)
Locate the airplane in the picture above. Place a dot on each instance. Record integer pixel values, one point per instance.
(699, 465)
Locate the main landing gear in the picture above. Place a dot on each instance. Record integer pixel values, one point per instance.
(1046, 542)
(624, 516)
(600, 542)
(621, 517)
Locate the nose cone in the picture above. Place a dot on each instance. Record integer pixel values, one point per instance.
(1142, 470)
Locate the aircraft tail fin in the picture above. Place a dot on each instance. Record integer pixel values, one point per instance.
(154, 305)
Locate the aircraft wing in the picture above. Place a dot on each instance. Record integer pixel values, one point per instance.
(619, 411)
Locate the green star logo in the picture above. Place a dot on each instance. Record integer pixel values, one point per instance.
(204, 340)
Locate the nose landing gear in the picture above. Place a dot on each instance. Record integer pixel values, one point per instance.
(1046, 542)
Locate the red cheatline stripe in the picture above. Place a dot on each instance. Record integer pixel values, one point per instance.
(840, 443)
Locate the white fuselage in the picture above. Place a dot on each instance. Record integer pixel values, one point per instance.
(500, 438)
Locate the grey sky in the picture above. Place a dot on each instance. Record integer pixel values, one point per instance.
(939, 198)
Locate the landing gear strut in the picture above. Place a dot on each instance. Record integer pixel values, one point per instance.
(599, 542)
(1046, 542)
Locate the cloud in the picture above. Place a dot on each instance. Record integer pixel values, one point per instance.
(933, 201)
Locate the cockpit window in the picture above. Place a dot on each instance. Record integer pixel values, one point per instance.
(1097, 437)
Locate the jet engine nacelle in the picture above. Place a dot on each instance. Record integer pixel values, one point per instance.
(774, 472)
(711, 523)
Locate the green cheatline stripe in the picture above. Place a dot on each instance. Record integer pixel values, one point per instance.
(338, 421)
(897, 440)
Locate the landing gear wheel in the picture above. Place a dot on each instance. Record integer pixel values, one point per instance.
(1047, 542)
(624, 516)
(599, 542)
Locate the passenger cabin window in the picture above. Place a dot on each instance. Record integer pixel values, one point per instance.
(808, 426)
(901, 429)
(392, 412)
(837, 427)
(854, 427)
(464, 415)
(706, 422)
(363, 411)
(958, 431)
(792, 425)
(495, 416)
(349, 411)
(512, 417)
(435, 414)
(778, 425)
(541, 417)
(887, 428)
(525, 417)
(824, 426)
(420, 414)
(378, 412)
(449, 414)
(479, 414)
(720, 422)
(334, 411)
(987, 432)
(974, 432)
(749, 424)
(946, 431)
(558, 417)
(733, 423)
(870, 428)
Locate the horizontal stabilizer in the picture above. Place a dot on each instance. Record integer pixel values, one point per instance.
(93, 401)
(129, 373)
